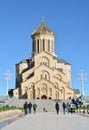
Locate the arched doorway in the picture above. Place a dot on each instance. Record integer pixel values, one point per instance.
(44, 97)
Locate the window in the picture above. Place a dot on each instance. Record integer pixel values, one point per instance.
(38, 45)
(41, 76)
(52, 46)
(33, 46)
(45, 76)
(43, 44)
(48, 45)
(57, 95)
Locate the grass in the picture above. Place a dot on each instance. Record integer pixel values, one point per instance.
(7, 107)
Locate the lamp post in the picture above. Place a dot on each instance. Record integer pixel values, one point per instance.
(7, 76)
(82, 75)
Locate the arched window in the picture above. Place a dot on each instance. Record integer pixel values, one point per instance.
(44, 60)
(44, 89)
(38, 45)
(45, 76)
(33, 46)
(41, 76)
(43, 44)
(52, 45)
(48, 45)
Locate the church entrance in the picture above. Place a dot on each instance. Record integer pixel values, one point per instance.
(44, 97)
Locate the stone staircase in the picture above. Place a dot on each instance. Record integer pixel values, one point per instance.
(48, 104)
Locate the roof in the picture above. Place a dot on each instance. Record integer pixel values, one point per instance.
(43, 28)
(63, 61)
(23, 61)
(76, 91)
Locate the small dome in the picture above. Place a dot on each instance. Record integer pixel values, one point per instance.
(43, 28)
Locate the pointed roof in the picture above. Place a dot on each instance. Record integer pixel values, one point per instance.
(42, 28)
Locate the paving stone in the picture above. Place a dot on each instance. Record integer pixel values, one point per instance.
(50, 121)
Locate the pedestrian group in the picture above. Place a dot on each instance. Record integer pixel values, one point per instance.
(67, 107)
(28, 107)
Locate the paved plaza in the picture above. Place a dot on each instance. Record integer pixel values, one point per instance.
(49, 121)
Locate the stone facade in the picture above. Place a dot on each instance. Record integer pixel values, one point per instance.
(43, 75)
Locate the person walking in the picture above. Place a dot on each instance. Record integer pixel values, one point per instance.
(30, 107)
(67, 107)
(57, 107)
(71, 108)
(25, 106)
(64, 107)
(34, 108)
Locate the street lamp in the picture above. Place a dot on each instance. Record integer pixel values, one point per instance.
(82, 75)
(7, 76)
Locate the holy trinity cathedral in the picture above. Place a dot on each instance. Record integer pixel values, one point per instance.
(43, 75)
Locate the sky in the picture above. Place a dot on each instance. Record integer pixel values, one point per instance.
(68, 19)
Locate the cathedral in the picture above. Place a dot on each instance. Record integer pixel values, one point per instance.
(43, 75)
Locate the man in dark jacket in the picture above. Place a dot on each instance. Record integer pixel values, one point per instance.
(30, 107)
(25, 106)
(57, 107)
(64, 107)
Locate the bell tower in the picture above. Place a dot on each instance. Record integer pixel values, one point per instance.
(43, 39)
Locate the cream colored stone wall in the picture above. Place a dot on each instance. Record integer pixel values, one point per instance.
(48, 78)
(54, 86)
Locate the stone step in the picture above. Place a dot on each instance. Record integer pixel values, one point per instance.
(48, 104)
